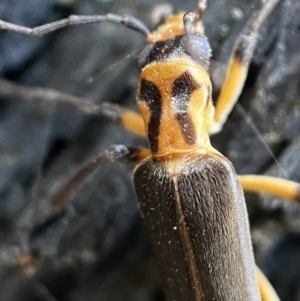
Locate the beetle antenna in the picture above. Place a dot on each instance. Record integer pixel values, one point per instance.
(201, 9)
(127, 21)
(188, 21)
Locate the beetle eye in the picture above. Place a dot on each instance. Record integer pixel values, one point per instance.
(143, 56)
(198, 47)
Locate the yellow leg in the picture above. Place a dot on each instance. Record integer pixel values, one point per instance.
(267, 292)
(231, 90)
(238, 67)
(130, 120)
(133, 122)
(281, 188)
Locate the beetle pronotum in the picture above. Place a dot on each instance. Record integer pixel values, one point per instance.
(208, 294)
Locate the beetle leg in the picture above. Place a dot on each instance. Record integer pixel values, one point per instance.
(238, 67)
(129, 119)
(267, 292)
(126, 154)
(119, 153)
(23, 257)
(281, 188)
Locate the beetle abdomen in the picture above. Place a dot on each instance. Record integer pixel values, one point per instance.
(199, 228)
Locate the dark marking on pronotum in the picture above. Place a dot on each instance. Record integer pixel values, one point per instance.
(150, 93)
(182, 90)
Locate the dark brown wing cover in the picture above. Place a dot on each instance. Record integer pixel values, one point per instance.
(213, 234)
